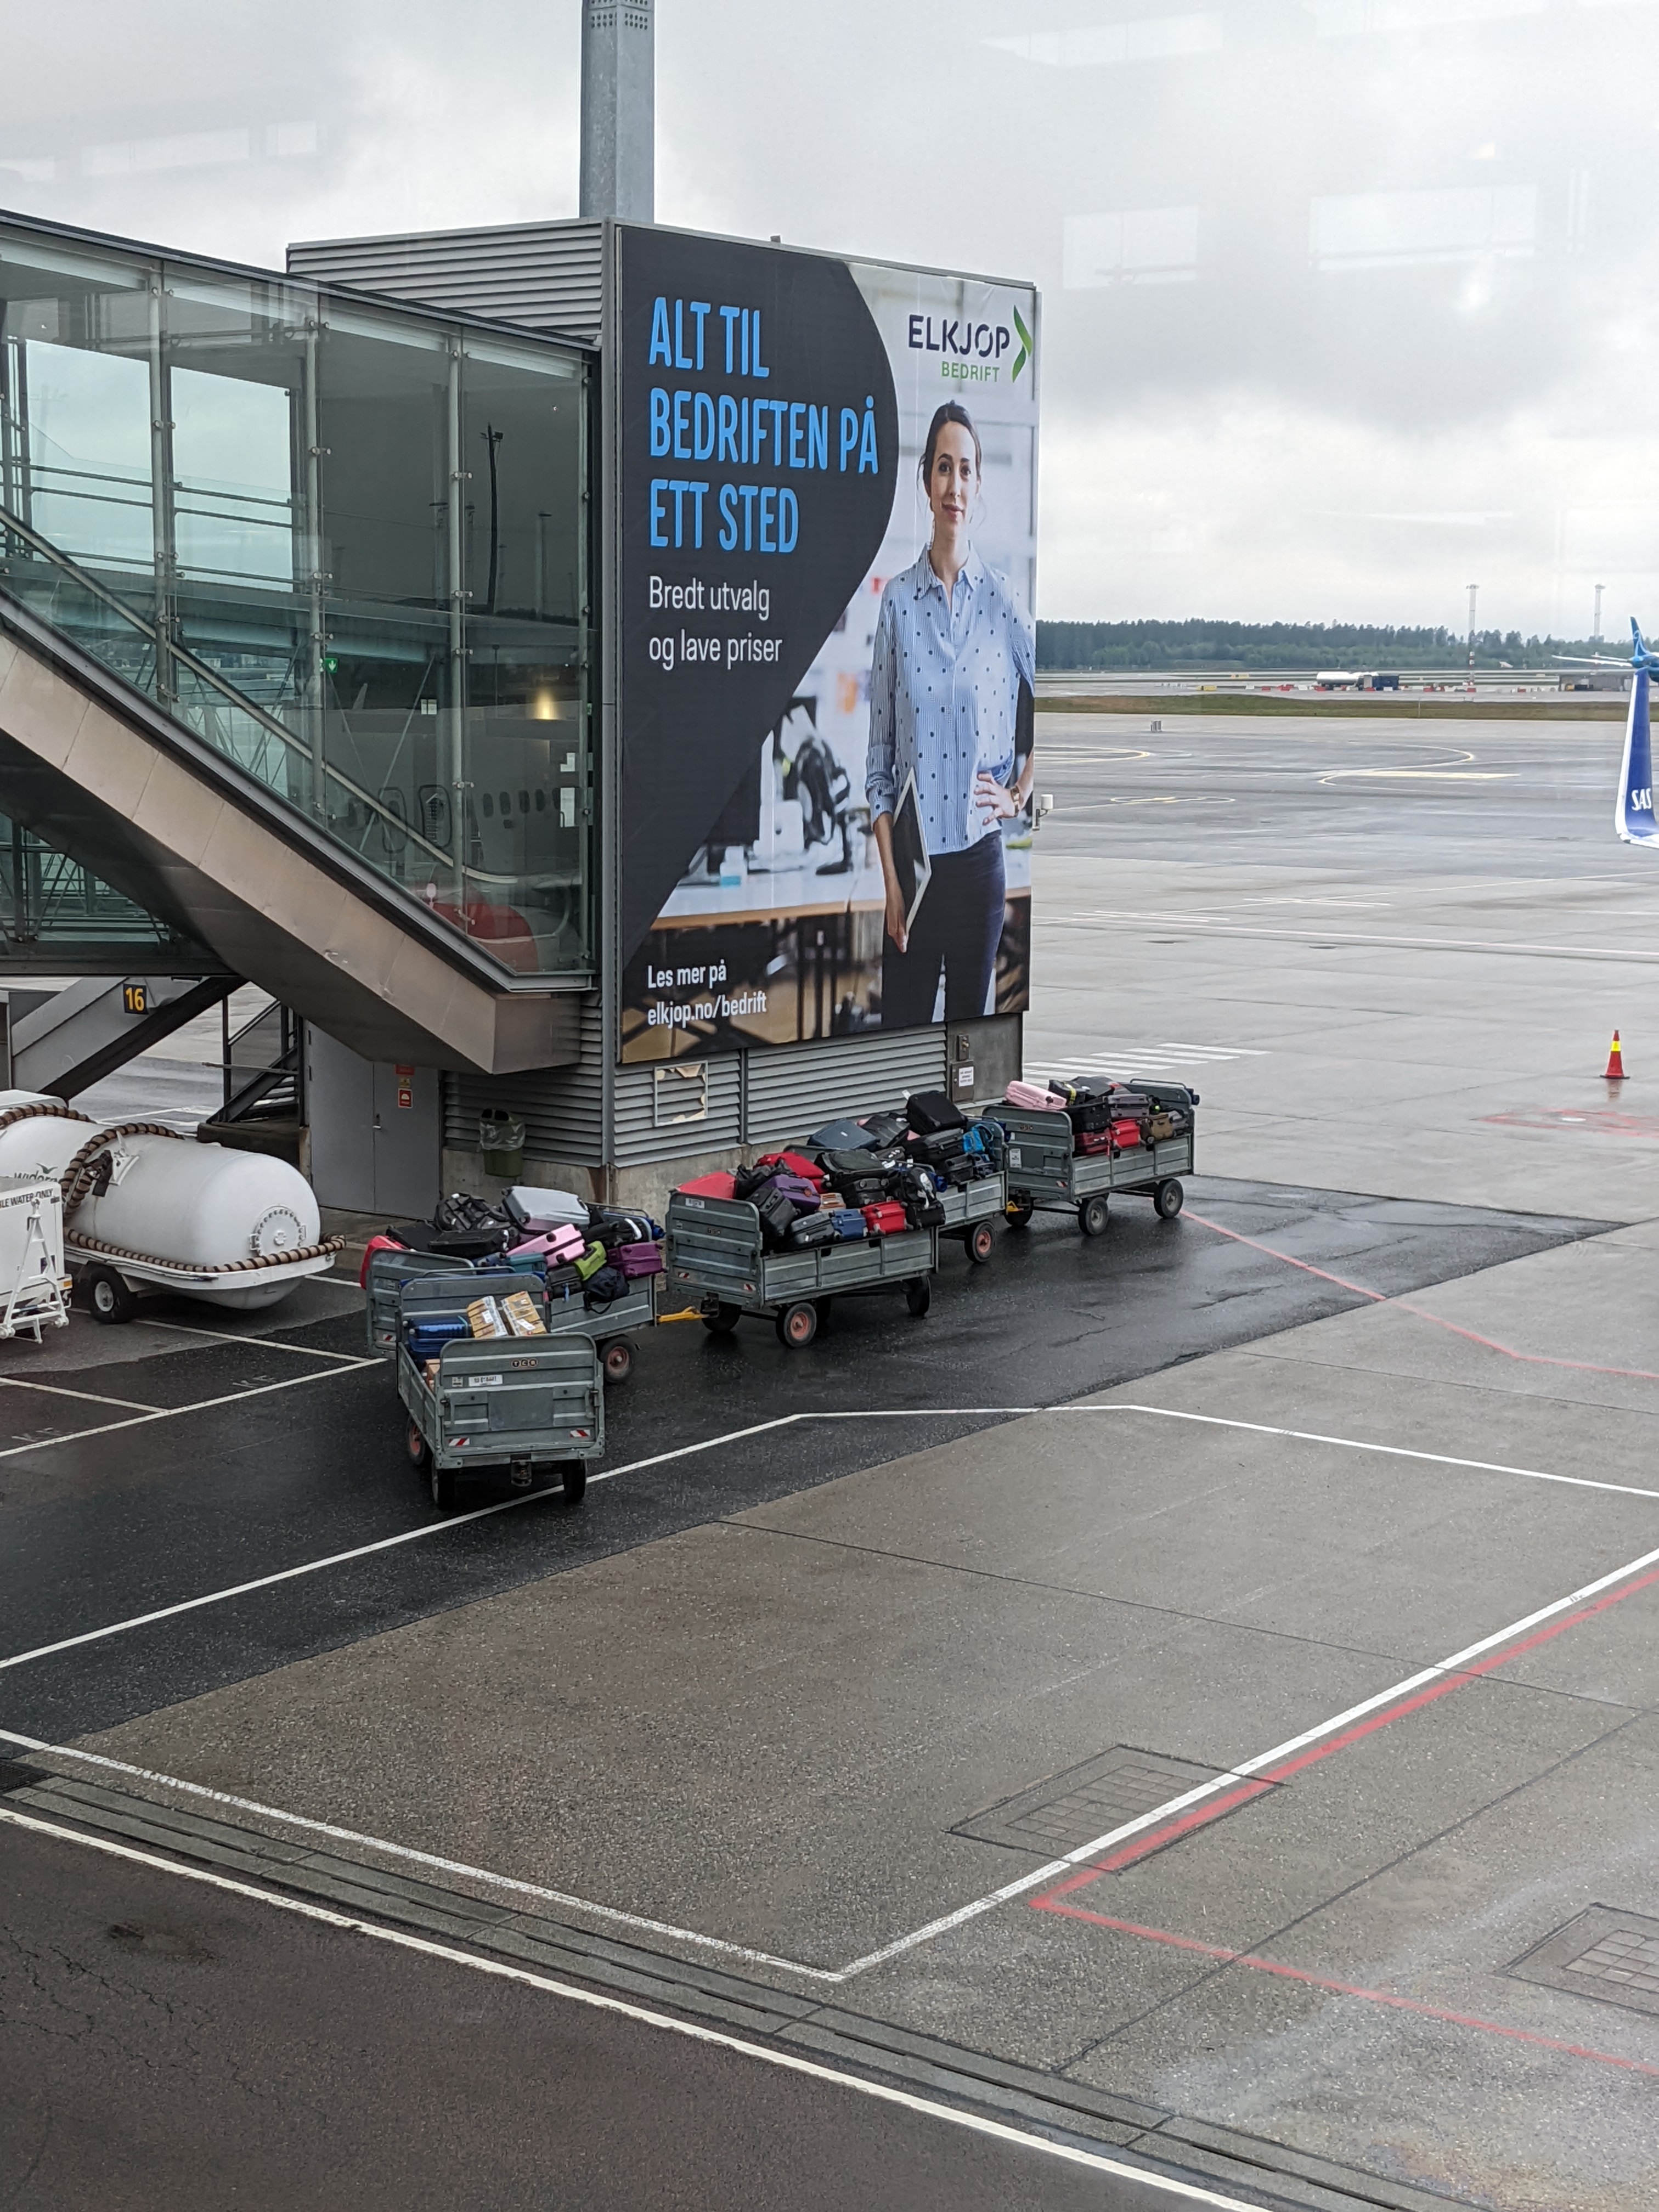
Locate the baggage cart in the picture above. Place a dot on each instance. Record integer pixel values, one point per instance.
(533, 1405)
(714, 1246)
(1046, 1175)
(609, 1327)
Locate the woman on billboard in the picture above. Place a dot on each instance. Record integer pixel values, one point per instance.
(953, 647)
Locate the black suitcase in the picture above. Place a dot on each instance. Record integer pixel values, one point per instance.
(811, 1229)
(777, 1216)
(1089, 1116)
(863, 1190)
(928, 1111)
(938, 1146)
(869, 1162)
(881, 1130)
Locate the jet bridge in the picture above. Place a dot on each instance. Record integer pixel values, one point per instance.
(294, 641)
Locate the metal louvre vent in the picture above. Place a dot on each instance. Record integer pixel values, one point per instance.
(641, 1138)
(562, 1109)
(543, 275)
(794, 1088)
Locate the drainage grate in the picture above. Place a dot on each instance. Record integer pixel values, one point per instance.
(1073, 1808)
(1609, 1955)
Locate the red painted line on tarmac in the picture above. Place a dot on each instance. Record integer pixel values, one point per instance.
(1456, 1328)
(1277, 1966)
(1198, 1816)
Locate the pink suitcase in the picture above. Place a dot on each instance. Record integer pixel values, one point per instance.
(1027, 1094)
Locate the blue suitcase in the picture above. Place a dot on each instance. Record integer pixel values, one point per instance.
(850, 1222)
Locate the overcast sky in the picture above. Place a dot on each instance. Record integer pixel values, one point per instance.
(1347, 303)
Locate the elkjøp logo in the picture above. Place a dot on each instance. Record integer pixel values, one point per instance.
(974, 353)
(1027, 348)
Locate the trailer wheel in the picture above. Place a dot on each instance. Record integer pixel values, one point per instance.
(1020, 1210)
(442, 1480)
(108, 1296)
(1167, 1198)
(918, 1295)
(1091, 1216)
(617, 1357)
(797, 1325)
(573, 1481)
(415, 1446)
(723, 1320)
(980, 1242)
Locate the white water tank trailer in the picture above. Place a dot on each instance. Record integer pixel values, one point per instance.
(146, 1208)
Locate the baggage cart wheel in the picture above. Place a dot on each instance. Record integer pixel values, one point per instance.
(442, 1480)
(723, 1320)
(616, 1356)
(1018, 1211)
(415, 1446)
(1168, 1198)
(980, 1242)
(108, 1296)
(1091, 1216)
(797, 1325)
(918, 1295)
(573, 1481)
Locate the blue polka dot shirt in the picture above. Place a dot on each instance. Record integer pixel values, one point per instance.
(944, 683)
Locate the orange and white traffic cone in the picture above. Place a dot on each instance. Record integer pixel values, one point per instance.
(1615, 1063)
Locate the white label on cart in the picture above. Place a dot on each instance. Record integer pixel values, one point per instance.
(481, 1383)
(1014, 1159)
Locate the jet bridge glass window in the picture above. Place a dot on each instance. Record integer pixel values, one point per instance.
(347, 546)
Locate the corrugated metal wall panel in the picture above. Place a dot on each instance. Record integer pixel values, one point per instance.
(639, 1141)
(793, 1089)
(545, 275)
(562, 1108)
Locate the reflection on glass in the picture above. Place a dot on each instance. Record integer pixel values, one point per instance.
(346, 546)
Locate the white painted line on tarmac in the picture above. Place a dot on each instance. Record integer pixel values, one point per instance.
(1312, 934)
(357, 1551)
(229, 1336)
(975, 1907)
(406, 1853)
(767, 2054)
(684, 1451)
(177, 1412)
(62, 1390)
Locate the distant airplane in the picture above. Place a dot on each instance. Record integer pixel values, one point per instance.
(1633, 810)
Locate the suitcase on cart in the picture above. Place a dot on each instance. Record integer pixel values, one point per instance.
(887, 1219)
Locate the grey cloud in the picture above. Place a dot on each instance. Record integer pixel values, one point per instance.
(1301, 260)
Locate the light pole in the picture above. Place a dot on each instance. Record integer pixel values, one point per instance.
(1595, 634)
(1474, 590)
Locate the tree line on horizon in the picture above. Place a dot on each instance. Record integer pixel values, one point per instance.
(1084, 646)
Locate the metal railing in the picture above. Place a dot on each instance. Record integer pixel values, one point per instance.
(238, 702)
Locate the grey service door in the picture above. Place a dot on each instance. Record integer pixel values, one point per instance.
(376, 1131)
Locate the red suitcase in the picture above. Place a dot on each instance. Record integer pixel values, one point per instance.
(1125, 1134)
(886, 1220)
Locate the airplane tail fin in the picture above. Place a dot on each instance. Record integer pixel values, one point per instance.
(1634, 819)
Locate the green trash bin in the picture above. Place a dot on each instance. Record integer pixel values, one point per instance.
(501, 1139)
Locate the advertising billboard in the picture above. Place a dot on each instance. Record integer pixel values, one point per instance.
(824, 697)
